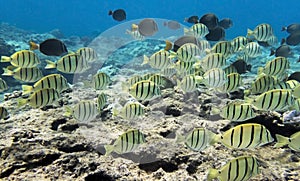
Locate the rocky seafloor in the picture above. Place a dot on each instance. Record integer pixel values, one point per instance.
(45, 144)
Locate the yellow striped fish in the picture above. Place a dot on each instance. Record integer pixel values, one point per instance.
(131, 110)
(223, 47)
(100, 81)
(70, 64)
(262, 32)
(213, 60)
(198, 30)
(186, 52)
(127, 142)
(55, 81)
(24, 74)
(238, 111)
(3, 85)
(101, 101)
(246, 136)
(238, 169)
(3, 113)
(214, 78)
(83, 111)
(204, 45)
(168, 72)
(134, 79)
(40, 98)
(290, 84)
(159, 60)
(198, 139)
(158, 80)
(252, 49)
(88, 54)
(230, 69)
(293, 141)
(274, 100)
(187, 84)
(23, 58)
(262, 84)
(234, 80)
(296, 91)
(238, 42)
(135, 34)
(183, 67)
(275, 67)
(144, 90)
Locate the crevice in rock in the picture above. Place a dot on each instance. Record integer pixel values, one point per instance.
(99, 176)
(56, 123)
(154, 166)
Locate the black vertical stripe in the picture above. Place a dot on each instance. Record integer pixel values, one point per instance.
(232, 137)
(251, 136)
(229, 171)
(246, 168)
(241, 136)
(260, 135)
(127, 142)
(122, 143)
(133, 140)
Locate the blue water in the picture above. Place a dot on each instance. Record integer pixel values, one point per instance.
(77, 17)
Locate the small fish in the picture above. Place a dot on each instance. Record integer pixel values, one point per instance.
(274, 100)
(118, 15)
(226, 23)
(192, 19)
(100, 81)
(198, 30)
(188, 83)
(238, 169)
(223, 47)
(135, 34)
(293, 141)
(186, 52)
(282, 51)
(275, 67)
(3, 113)
(50, 47)
(213, 60)
(210, 20)
(159, 60)
(252, 49)
(40, 98)
(84, 111)
(262, 84)
(216, 34)
(198, 139)
(234, 80)
(214, 78)
(144, 90)
(238, 42)
(127, 142)
(70, 64)
(23, 58)
(147, 27)
(131, 110)
(24, 74)
(3, 85)
(262, 32)
(238, 111)
(246, 136)
(241, 66)
(55, 81)
(88, 54)
(173, 25)
(101, 101)
(292, 28)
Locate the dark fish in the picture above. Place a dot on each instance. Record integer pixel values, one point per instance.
(50, 47)
(226, 23)
(147, 27)
(293, 39)
(173, 25)
(241, 66)
(183, 40)
(192, 19)
(210, 20)
(292, 28)
(118, 15)
(282, 51)
(216, 34)
(295, 76)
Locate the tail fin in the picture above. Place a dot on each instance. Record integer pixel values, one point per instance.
(179, 138)
(212, 173)
(249, 32)
(186, 31)
(168, 46)
(108, 149)
(50, 65)
(110, 12)
(146, 60)
(260, 70)
(5, 59)
(69, 111)
(7, 72)
(281, 141)
(33, 46)
(272, 52)
(283, 28)
(27, 89)
(22, 102)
